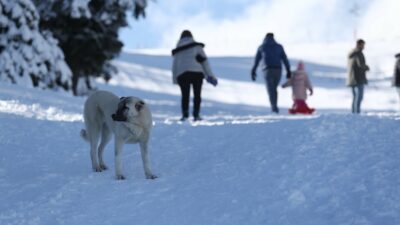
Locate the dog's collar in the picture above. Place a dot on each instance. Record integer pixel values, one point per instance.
(118, 117)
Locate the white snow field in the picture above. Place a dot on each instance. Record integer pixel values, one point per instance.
(242, 165)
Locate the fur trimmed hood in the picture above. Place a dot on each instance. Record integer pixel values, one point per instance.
(186, 43)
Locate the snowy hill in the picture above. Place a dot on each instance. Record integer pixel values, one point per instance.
(242, 165)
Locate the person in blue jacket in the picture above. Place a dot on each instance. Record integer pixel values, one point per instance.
(272, 55)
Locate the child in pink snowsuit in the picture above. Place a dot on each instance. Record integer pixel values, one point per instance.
(300, 83)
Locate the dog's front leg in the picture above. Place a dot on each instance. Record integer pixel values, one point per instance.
(119, 144)
(145, 159)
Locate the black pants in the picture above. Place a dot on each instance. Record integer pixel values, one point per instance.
(186, 80)
(272, 79)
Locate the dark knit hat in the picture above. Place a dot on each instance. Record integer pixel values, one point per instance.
(360, 41)
(270, 35)
(186, 33)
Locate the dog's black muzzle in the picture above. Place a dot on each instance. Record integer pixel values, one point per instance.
(122, 110)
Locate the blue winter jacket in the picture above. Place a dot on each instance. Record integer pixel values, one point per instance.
(273, 54)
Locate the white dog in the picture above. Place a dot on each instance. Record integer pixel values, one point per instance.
(128, 118)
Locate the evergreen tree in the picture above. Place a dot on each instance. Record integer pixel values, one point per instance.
(87, 31)
(28, 56)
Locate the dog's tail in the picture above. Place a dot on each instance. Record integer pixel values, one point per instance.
(84, 135)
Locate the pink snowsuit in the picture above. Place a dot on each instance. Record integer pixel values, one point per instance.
(300, 83)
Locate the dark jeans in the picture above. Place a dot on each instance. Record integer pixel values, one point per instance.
(358, 94)
(194, 79)
(398, 90)
(272, 79)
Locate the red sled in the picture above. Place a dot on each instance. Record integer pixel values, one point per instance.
(300, 107)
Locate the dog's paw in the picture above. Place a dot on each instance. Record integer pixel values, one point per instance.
(151, 177)
(120, 177)
(103, 167)
(97, 169)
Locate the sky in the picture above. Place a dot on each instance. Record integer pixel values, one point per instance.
(165, 16)
(239, 26)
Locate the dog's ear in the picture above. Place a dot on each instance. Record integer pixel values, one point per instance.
(139, 105)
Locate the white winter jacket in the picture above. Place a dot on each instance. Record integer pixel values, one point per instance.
(189, 56)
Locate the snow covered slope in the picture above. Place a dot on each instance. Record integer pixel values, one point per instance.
(242, 165)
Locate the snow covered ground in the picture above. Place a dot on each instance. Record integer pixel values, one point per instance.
(241, 165)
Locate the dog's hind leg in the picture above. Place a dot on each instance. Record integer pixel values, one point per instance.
(145, 159)
(105, 138)
(94, 141)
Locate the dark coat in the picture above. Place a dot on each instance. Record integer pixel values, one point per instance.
(357, 68)
(397, 72)
(272, 54)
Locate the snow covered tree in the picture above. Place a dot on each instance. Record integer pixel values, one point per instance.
(87, 31)
(29, 56)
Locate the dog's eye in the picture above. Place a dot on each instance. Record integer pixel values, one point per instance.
(139, 105)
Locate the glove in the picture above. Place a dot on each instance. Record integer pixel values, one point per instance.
(288, 74)
(212, 80)
(253, 75)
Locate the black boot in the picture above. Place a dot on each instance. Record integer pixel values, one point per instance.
(197, 118)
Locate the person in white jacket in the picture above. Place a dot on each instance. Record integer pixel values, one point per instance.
(189, 67)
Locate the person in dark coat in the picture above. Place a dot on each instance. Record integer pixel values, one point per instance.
(396, 77)
(272, 55)
(189, 67)
(356, 79)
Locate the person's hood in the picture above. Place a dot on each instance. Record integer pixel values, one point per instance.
(186, 43)
(300, 66)
(269, 40)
